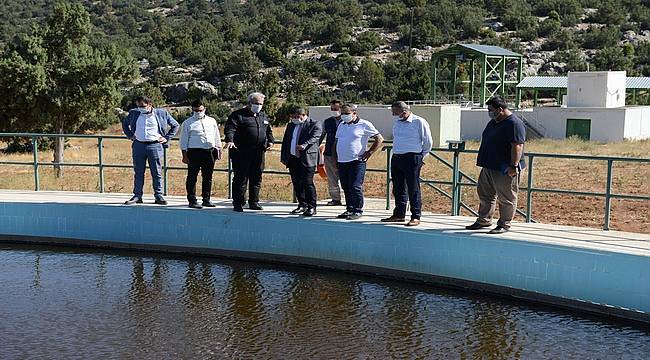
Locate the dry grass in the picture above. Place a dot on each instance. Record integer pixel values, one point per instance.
(629, 178)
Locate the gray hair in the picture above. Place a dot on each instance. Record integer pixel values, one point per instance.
(401, 106)
(255, 95)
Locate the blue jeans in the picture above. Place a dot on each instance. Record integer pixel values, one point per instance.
(153, 153)
(351, 175)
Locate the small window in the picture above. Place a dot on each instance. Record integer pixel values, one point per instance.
(578, 127)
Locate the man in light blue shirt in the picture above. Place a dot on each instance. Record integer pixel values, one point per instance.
(411, 143)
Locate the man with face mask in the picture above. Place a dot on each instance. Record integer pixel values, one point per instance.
(300, 154)
(411, 144)
(331, 163)
(352, 138)
(150, 130)
(501, 158)
(248, 135)
(200, 143)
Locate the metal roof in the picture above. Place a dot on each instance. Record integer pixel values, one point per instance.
(543, 82)
(561, 82)
(489, 50)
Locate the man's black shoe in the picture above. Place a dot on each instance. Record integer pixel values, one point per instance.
(334, 203)
(475, 226)
(309, 212)
(298, 210)
(133, 200)
(238, 208)
(208, 204)
(393, 218)
(499, 230)
(344, 215)
(160, 201)
(255, 207)
(195, 205)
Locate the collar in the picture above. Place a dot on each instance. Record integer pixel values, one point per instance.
(408, 119)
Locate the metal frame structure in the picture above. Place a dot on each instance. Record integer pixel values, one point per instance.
(492, 65)
(458, 178)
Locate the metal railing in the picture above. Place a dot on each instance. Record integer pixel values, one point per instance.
(458, 177)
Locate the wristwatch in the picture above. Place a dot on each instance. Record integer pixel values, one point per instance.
(516, 167)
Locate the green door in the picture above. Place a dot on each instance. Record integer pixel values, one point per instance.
(578, 127)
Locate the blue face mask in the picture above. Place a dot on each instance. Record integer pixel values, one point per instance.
(492, 115)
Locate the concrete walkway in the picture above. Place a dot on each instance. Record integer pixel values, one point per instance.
(576, 237)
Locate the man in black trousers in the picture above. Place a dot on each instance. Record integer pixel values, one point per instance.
(248, 136)
(300, 151)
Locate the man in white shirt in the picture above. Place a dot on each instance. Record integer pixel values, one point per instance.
(150, 130)
(411, 144)
(352, 137)
(200, 143)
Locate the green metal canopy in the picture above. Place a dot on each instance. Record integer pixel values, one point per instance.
(456, 69)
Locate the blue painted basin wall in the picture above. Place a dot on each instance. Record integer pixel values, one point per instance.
(618, 280)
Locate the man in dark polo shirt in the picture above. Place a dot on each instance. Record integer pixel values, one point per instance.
(248, 135)
(501, 158)
(330, 159)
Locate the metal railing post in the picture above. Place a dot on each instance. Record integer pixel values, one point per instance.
(454, 185)
(529, 195)
(229, 176)
(608, 194)
(164, 171)
(37, 180)
(388, 178)
(100, 154)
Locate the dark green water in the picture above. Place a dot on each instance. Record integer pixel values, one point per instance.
(74, 304)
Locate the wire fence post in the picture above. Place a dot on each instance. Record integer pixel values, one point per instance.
(100, 154)
(529, 195)
(37, 180)
(608, 194)
(388, 178)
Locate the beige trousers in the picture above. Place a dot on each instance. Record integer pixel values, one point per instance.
(332, 170)
(493, 187)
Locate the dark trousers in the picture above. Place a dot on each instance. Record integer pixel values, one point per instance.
(302, 178)
(199, 160)
(247, 169)
(405, 171)
(143, 153)
(351, 175)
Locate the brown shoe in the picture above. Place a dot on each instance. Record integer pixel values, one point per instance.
(413, 222)
(393, 218)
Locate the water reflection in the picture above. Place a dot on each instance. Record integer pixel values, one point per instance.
(111, 305)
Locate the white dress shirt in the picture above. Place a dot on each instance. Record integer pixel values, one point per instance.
(200, 133)
(294, 139)
(146, 128)
(412, 135)
(352, 139)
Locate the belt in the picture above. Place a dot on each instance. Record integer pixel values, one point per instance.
(147, 142)
(408, 154)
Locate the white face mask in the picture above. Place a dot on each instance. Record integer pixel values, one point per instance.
(256, 108)
(347, 118)
(296, 121)
(143, 109)
(335, 113)
(199, 114)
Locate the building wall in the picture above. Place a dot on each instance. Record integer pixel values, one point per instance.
(637, 123)
(598, 89)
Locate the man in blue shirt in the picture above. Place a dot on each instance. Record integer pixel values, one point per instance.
(501, 158)
(411, 143)
(150, 130)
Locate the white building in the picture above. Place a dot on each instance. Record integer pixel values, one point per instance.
(595, 110)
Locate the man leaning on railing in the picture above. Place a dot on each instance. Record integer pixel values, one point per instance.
(150, 130)
(500, 156)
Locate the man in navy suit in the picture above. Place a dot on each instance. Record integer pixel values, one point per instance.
(150, 130)
(300, 152)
